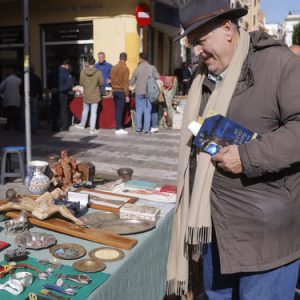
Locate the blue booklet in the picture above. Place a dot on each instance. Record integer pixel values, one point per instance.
(141, 184)
(218, 131)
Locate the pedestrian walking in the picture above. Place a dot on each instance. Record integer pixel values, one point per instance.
(241, 206)
(120, 86)
(90, 79)
(144, 109)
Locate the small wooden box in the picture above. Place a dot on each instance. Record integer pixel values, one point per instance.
(87, 169)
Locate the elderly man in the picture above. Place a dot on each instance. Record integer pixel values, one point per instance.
(241, 206)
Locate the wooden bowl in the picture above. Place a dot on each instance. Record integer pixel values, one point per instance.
(125, 173)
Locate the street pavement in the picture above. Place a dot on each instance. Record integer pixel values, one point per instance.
(152, 157)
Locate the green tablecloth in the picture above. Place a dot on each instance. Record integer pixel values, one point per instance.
(140, 275)
(96, 280)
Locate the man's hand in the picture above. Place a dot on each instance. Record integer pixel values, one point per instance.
(228, 159)
(127, 99)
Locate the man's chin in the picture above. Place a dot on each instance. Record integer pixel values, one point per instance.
(212, 69)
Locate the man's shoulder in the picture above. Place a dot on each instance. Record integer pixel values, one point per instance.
(108, 65)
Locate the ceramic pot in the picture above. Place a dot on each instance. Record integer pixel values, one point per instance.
(36, 181)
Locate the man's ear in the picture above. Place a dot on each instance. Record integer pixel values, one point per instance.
(228, 30)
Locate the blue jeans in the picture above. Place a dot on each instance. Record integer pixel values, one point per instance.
(142, 107)
(119, 98)
(85, 113)
(154, 118)
(279, 283)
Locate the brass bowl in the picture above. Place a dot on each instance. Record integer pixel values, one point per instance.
(125, 173)
(89, 265)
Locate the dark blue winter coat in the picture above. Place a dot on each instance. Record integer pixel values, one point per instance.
(65, 82)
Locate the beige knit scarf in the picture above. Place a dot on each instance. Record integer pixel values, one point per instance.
(192, 220)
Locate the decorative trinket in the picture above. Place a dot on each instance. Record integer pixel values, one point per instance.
(12, 286)
(10, 194)
(16, 254)
(4, 269)
(53, 287)
(25, 278)
(36, 181)
(35, 240)
(67, 251)
(17, 225)
(81, 278)
(60, 282)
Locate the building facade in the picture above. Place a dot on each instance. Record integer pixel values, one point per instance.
(290, 21)
(275, 30)
(75, 30)
(250, 22)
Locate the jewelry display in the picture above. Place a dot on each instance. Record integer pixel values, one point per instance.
(60, 282)
(4, 269)
(52, 295)
(12, 286)
(53, 263)
(53, 287)
(34, 296)
(81, 278)
(25, 278)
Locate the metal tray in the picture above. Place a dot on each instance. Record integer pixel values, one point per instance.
(67, 251)
(89, 265)
(35, 240)
(107, 254)
(112, 222)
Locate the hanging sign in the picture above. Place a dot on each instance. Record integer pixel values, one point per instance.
(142, 14)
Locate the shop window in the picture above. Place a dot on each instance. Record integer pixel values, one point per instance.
(72, 41)
(11, 50)
(68, 32)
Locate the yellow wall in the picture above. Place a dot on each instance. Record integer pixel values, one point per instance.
(116, 35)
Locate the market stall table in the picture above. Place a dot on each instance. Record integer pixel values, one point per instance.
(141, 274)
(106, 112)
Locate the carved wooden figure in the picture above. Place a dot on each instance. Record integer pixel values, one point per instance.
(43, 207)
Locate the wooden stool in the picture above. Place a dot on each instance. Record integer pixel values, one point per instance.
(6, 162)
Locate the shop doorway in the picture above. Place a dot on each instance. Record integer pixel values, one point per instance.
(71, 41)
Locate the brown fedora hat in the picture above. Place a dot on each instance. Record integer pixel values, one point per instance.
(196, 13)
